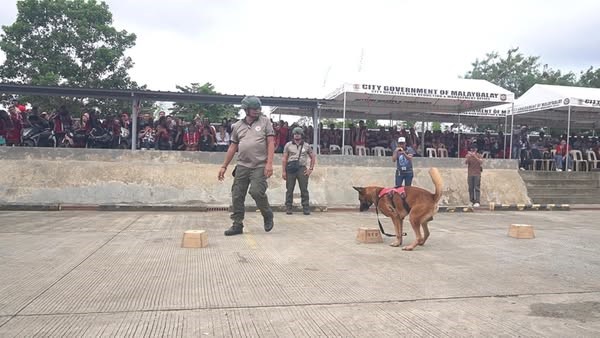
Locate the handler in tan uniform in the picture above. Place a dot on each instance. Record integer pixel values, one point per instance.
(296, 167)
(253, 138)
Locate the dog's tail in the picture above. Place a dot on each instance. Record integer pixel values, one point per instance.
(437, 182)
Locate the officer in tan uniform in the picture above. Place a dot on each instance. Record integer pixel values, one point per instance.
(253, 138)
(296, 167)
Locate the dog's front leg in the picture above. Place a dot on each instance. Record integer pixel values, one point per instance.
(398, 227)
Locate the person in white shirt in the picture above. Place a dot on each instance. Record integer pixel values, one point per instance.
(222, 139)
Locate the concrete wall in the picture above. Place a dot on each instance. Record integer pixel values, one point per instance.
(99, 176)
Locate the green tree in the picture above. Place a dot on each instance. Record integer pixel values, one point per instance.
(371, 124)
(590, 78)
(67, 43)
(214, 112)
(517, 72)
(326, 122)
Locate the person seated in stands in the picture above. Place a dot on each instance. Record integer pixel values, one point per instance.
(309, 132)
(325, 143)
(147, 137)
(282, 136)
(207, 141)
(436, 144)
(333, 134)
(562, 155)
(81, 130)
(145, 120)
(115, 127)
(178, 135)
(5, 126)
(464, 147)
(161, 116)
(383, 138)
(163, 137)
(360, 136)
(13, 135)
(223, 138)
(61, 123)
(191, 138)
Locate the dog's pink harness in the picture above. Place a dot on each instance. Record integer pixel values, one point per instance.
(399, 190)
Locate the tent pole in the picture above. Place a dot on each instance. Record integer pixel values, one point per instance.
(458, 151)
(134, 121)
(316, 129)
(423, 138)
(568, 136)
(512, 126)
(504, 141)
(344, 123)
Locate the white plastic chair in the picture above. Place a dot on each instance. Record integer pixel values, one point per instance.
(431, 152)
(442, 152)
(348, 150)
(544, 162)
(485, 154)
(361, 151)
(592, 160)
(334, 148)
(578, 160)
(378, 151)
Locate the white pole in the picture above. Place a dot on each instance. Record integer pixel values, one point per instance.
(344, 123)
(458, 150)
(512, 126)
(504, 141)
(134, 120)
(422, 138)
(568, 134)
(316, 131)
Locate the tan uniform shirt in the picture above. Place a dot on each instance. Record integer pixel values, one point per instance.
(252, 141)
(293, 151)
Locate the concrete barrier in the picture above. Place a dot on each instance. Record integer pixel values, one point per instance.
(104, 176)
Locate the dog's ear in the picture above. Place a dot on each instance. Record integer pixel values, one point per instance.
(359, 189)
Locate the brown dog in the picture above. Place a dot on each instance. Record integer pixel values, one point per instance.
(422, 204)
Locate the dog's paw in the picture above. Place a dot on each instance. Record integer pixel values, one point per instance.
(396, 244)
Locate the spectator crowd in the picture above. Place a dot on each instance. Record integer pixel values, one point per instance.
(20, 126)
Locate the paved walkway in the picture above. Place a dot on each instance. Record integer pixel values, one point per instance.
(79, 273)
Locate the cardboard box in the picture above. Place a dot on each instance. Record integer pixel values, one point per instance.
(195, 239)
(521, 231)
(369, 235)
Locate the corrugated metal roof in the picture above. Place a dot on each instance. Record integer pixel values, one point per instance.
(156, 95)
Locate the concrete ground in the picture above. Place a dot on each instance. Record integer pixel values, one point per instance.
(83, 273)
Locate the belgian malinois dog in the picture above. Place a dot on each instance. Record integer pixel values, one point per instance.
(417, 203)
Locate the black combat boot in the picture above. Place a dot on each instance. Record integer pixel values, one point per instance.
(268, 217)
(234, 230)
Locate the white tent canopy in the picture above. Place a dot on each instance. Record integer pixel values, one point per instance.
(430, 102)
(443, 102)
(456, 96)
(550, 105)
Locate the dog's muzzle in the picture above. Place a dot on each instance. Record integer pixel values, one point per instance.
(364, 206)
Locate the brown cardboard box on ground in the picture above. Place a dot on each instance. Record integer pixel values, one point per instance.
(195, 239)
(521, 231)
(369, 235)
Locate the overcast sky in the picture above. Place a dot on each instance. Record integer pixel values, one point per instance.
(307, 48)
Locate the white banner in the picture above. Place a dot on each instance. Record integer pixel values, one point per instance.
(491, 112)
(542, 106)
(588, 102)
(434, 93)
